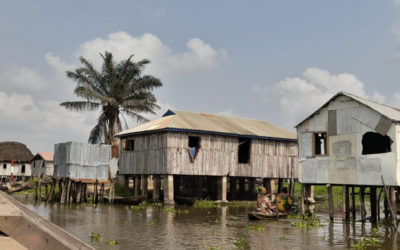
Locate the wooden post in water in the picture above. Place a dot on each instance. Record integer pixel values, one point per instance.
(372, 194)
(63, 190)
(144, 186)
(353, 204)
(156, 187)
(330, 201)
(362, 200)
(36, 190)
(78, 192)
(345, 204)
(302, 199)
(393, 202)
(138, 185)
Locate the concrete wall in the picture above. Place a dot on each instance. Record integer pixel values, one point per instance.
(17, 169)
(167, 153)
(346, 121)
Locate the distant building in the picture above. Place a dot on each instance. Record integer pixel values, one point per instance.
(195, 152)
(43, 164)
(350, 141)
(20, 154)
(82, 162)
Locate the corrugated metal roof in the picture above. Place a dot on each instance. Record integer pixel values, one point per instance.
(176, 120)
(387, 111)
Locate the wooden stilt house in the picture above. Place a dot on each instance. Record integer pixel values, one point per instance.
(199, 154)
(18, 153)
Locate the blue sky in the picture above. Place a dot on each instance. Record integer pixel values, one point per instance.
(271, 60)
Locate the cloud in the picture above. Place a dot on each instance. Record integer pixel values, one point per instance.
(297, 97)
(21, 79)
(198, 57)
(40, 124)
(29, 98)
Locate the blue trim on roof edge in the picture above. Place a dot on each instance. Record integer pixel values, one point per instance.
(168, 113)
(208, 133)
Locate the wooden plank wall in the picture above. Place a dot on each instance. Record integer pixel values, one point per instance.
(167, 153)
(219, 156)
(149, 156)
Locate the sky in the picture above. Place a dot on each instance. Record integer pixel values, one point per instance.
(276, 61)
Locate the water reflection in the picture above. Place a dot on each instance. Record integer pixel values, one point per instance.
(155, 228)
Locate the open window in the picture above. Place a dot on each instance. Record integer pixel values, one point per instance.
(23, 169)
(194, 142)
(320, 143)
(375, 143)
(130, 145)
(4, 166)
(244, 150)
(43, 164)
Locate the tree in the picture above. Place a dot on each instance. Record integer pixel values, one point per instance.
(119, 90)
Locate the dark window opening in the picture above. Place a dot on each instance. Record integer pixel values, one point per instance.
(375, 143)
(244, 150)
(42, 164)
(194, 142)
(4, 166)
(130, 145)
(320, 144)
(23, 169)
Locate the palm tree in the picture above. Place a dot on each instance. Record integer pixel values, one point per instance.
(119, 90)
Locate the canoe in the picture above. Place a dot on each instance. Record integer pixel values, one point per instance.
(264, 216)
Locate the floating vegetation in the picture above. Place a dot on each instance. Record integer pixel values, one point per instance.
(259, 228)
(152, 222)
(205, 204)
(242, 204)
(241, 243)
(304, 221)
(113, 242)
(365, 243)
(169, 210)
(96, 236)
(126, 222)
(283, 237)
(157, 204)
(214, 232)
(375, 232)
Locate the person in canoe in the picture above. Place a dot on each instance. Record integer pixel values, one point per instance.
(264, 202)
(283, 201)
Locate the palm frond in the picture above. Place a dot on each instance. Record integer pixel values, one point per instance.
(81, 105)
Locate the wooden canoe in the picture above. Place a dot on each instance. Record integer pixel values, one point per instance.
(264, 216)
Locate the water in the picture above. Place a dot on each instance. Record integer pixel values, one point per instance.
(199, 228)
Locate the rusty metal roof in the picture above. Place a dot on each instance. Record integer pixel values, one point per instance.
(389, 112)
(184, 121)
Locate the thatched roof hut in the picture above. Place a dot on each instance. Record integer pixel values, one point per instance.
(11, 150)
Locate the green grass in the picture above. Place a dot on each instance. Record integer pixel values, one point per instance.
(205, 204)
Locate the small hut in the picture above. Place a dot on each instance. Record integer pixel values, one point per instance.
(20, 154)
(352, 142)
(43, 164)
(199, 154)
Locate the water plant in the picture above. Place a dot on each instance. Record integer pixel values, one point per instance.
(365, 243)
(113, 242)
(241, 243)
(214, 232)
(375, 232)
(169, 210)
(205, 204)
(96, 236)
(212, 247)
(126, 222)
(259, 228)
(283, 237)
(152, 222)
(304, 221)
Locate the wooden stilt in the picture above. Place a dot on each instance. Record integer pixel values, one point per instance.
(78, 192)
(353, 204)
(36, 190)
(362, 200)
(95, 194)
(330, 200)
(393, 202)
(68, 197)
(64, 191)
(40, 188)
(302, 199)
(345, 204)
(102, 192)
(372, 193)
(386, 208)
(242, 185)
(232, 188)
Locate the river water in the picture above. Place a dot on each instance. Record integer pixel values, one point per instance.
(201, 228)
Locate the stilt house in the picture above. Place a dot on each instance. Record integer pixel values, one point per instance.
(20, 154)
(82, 162)
(43, 164)
(199, 153)
(350, 140)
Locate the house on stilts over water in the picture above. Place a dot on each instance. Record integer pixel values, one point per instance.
(43, 164)
(15, 158)
(351, 142)
(206, 156)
